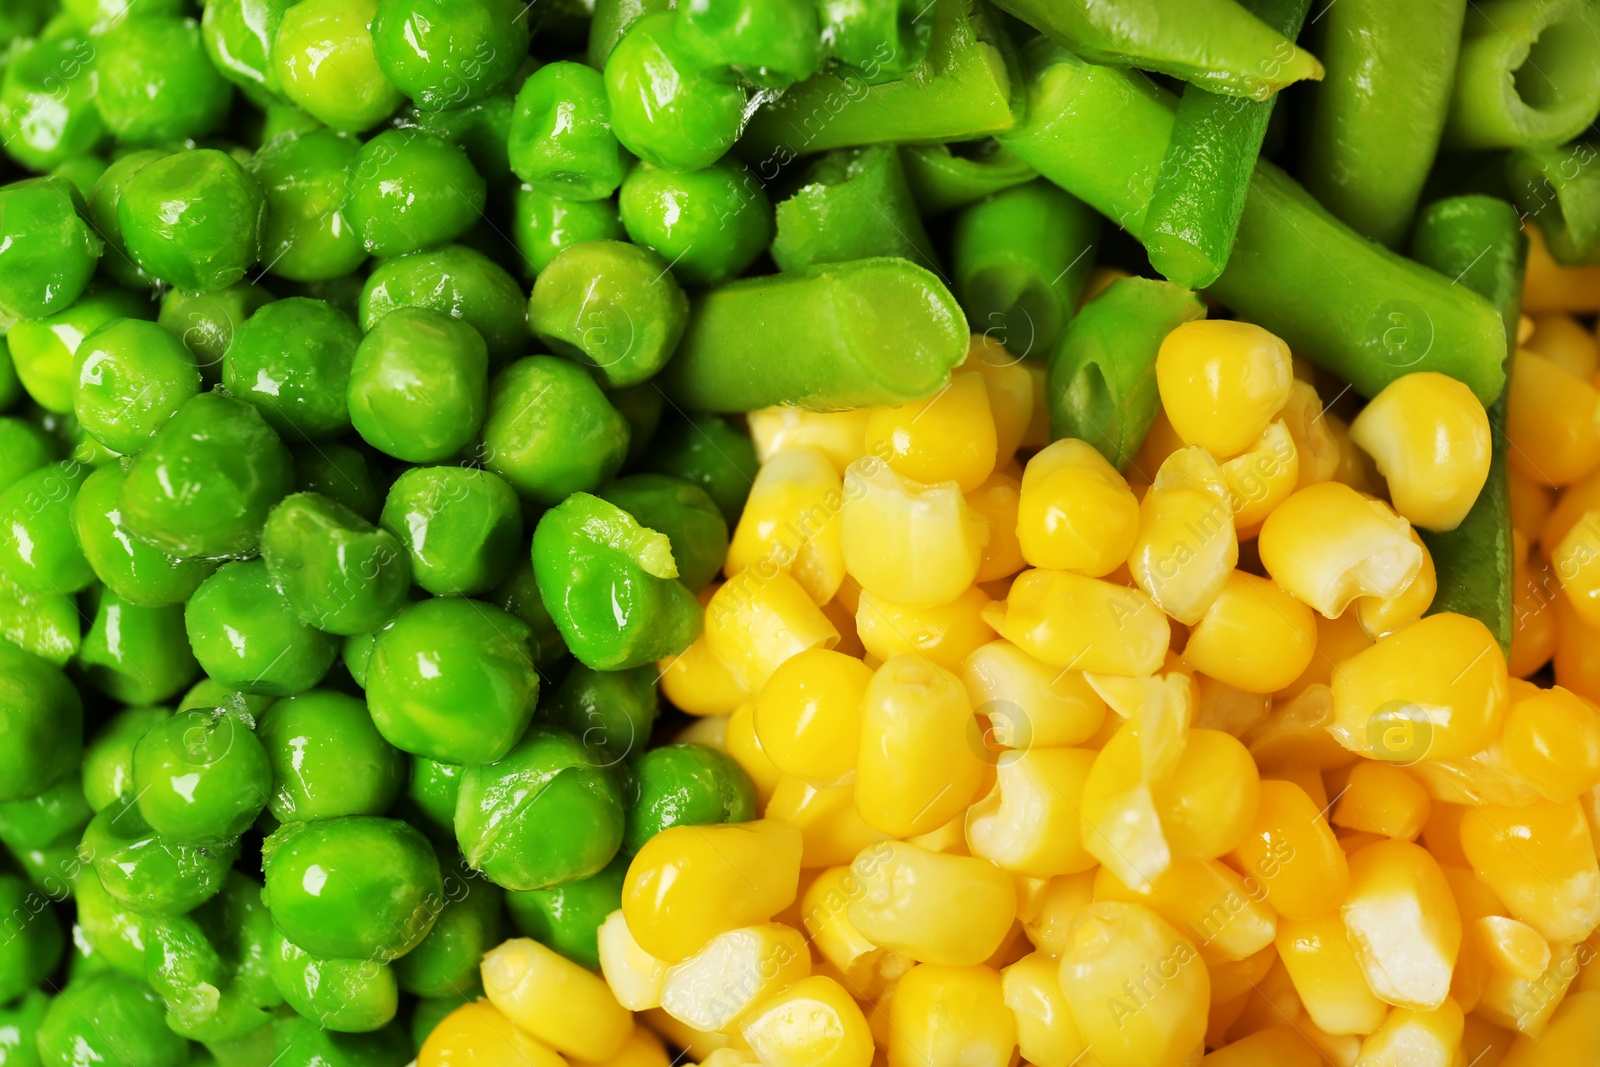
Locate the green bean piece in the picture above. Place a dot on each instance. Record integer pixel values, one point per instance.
(462, 527)
(247, 636)
(305, 179)
(610, 712)
(838, 335)
(50, 252)
(543, 225)
(881, 39)
(855, 204)
(446, 54)
(1354, 308)
(20, 1020)
(769, 43)
(469, 925)
(37, 549)
(45, 624)
(156, 82)
(337, 571)
(109, 1017)
(943, 177)
(305, 1043)
(205, 322)
(144, 871)
(37, 822)
(568, 917)
(1528, 75)
(200, 776)
(668, 106)
(457, 281)
(47, 107)
(432, 793)
(238, 38)
(709, 225)
(291, 359)
(324, 61)
(341, 474)
(684, 512)
(709, 452)
(129, 377)
(410, 190)
(108, 758)
(192, 219)
(136, 655)
(419, 385)
(550, 430)
(23, 448)
(481, 129)
(137, 573)
(44, 349)
(348, 996)
(612, 20)
(561, 141)
(684, 785)
(519, 595)
(1560, 189)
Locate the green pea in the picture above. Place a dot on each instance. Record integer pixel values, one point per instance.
(685, 785)
(210, 967)
(428, 1013)
(357, 887)
(322, 61)
(445, 54)
(205, 322)
(481, 129)
(887, 37)
(338, 572)
(10, 385)
(129, 377)
(38, 822)
(432, 792)
(45, 624)
(258, 1048)
(685, 513)
(769, 43)
(201, 775)
(460, 282)
(668, 106)
(519, 594)
(44, 349)
(462, 527)
(49, 253)
(328, 759)
(156, 82)
(305, 179)
(355, 652)
(550, 430)
(612, 19)
(238, 38)
(19, 1029)
(24, 18)
(149, 873)
(97, 16)
(47, 103)
(247, 636)
(136, 655)
(340, 473)
(543, 225)
(109, 1018)
(709, 224)
(568, 917)
(411, 190)
(468, 926)
(710, 452)
(70, 438)
(419, 385)
(108, 758)
(291, 359)
(192, 219)
(280, 119)
(304, 1043)
(37, 548)
(452, 680)
(205, 482)
(82, 172)
(139, 575)
(351, 996)
(611, 712)
(103, 200)
(561, 140)
(115, 933)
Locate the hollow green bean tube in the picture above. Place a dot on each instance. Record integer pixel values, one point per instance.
(1528, 74)
(1362, 312)
(855, 204)
(842, 335)
(1377, 116)
(945, 176)
(1560, 188)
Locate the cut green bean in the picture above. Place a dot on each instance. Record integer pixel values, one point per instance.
(947, 176)
(855, 203)
(1560, 189)
(1528, 75)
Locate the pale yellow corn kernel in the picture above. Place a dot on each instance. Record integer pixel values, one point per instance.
(996, 502)
(867, 968)
(831, 829)
(1572, 1037)
(1410, 1038)
(1187, 546)
(948, 437)
(1220, 706)
(1010, 389)
(1564, 341)
(1074, 511)
(1276, 1046)
(1382, 799)
(1221, 382)
(633, 974)
(1550, 421)
(1485, 777)
(808, 715)
(563, 1005)
(1436, 690)
(1315, 442)
(1338, 1050)
(921, 760)
(1429, 436)
(730, 1057)
(1294, 733)
(1263, 477)
(1231, 979)
(1526, 1005)
(718, 986)
(1030, 896)
(790, 523)
(1206, 802)
(478, 1035)
(1215, 907)
(709, 730)
(1322, 964)
(1509, 945)
(1576, 562)
(839, 435)
(1525, 328)
(1137, 988)
(1268, 1004)
(1552, 742)
(1063, 899)
(698, 1045)
(1160, 441)
(1047, 1036)
(1380, 617)
(754, 622)
(944, 634)
(950, 1015)
(1119, 824)
(1540, 859)
(697, 682)
(813, 1023)
(740, 742)
(1160, 710)
(1254, 636)
(932, 907)
(1029, 821)
(1337, 640)
(951, 838)
(1356, 469)
(907, 542)
(1074, 622)
(690, 883)
(1402, 919)
(1027, 702)
(642, 1049)
(1328, 545)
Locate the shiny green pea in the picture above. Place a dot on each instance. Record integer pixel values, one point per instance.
(44, 349)
(685, 785)
(411, 190)
(462, 527)
(137, 573)
(156, 82)
(247, 636)
(610, 712)
(49, 253)
(19, 1029)
(97, 16)
(328, 759)
(305, 179)
(770, 43)
(419, 385)
(612, 306)
(432, 792)
(469, 925)
(291, 359)
(445, 54)
(338, 572)
(543, 225)
(210, 967)
(561, 140)
(481, 129)
(208, 694)
(709, 224)
(45, 624)
(303, 1043)
(129, 377)
(322, 61)
(612, 19)
(37, 548)
(149, 873)
(668, 106)
(205, 322)
(550, 430)
(685, 513)
(279, 119)
(350, 996)
(47, 103)
(201, 775)
(459, 282)
(38, 822)
(710, 452)
(136, 655)
(238, 38)
(519, 594)
(568, 917)
(192, 219)
(109, 1018)
(108, 758)
(340, 473)
(82, 171)
(116, 933)
(103, 200)
(355, 652)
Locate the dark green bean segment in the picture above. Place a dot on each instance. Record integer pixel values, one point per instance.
(610, 712)
(709, 225)
(855, 203)
(669, 106)
(1527, 77)
(339, 572)
(247, 635)
(943, 177)
(305, 179)
(550, 430)
(462, 527)
(457, 281)
(1560, 189)
(568, 917)
(410, 190)
(543, 225)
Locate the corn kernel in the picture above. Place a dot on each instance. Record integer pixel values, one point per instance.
(1577, 656)
(1485, 777)
(839, 435)
(719, 985)
(1079, 623)
(831, 829)
(1532, 503)
(920, 762)
(1535, 629)
(1402, 919)
(557, 1001)
(1552, 741)
(790, 523)
(1291, 850)
(1222, 382)
(1550, 421)
(633, 974)
(1029, 821)
(1047, 1036)
(824, 909)
(1268, 1004)
(1429, 436)
(932, 907)
(642, 1049)
(1074, 511)
(1218, 910)
(741, 742)
(1382, 799)
(1436, 690)
(1567, 511)
(813, 1023)
(1137, 988)
(996, 502)
(1011, 392)
(1527, 1005)
(1563, 340)
(1254, 636)
(1263, 477)
(1510, 945)
(1380, 617)
(1028, 703)
(1294, 734)
(1576, 562)
(947, 1015)
(944, 634)
(909, 543)
(1220, 706)
(1540, 859)
(1231, 979)
(698, 1045)
(1187, 546)
(1064, 897)
(1327, 544)
(1160, 710)
(1322, 963)
(1337, 640)
(1315, 442)
(690, 883)
(1160, 441)
(697, 682)
(1551, 287)
(1119, 823)
(1356, 469)
(948, 437)
(951, 838)
(1410, 1038)
(1277, 1046)
(709, 730)
(478, 1035)
(808, 715)
(755, 621)
(1206, 802)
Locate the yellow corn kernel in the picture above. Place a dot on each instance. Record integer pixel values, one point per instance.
(741, 742)
(1231, 979)
(1220, 706)
(1263, 477)
(1315, 442)
(1429, 436)
(1322, 963)
(1222, 382)
(1572, 1036)
(1531, 504)
(1568, 510)
(1011, 392)
(1119, 823)
(831, 829)
(1078, 623)
(1277, 1046)
(1356, 469)
(907, 542)
(1564, 341)
(951, 838)
(1254, 636)
(1328, 544)
(1577, 655)
(1485, 777)
(790, 523)
(690, 883)
(1137, 988)
(1047, 1036)
(1291, 850)
(1527, 1005)
(1436, 690)
(1576, 563)
(943, 635)
(948, 437)
(698, 1045)
(478, 1035)
(1208, 798)
(1509, 945)
(1550, 421)
(1552, 741)
(633, 974)
(921, 757)
(563, 1005)
(1379, 617)
(1549, 286)
(1029, 821)
(1382, 799)
(1268, 1004)
(813, 1023)
(1218, 910)
(642, 1049)
(1540, 859)
(1294, 734)
(808, 715)
(754, 622)
(1064, 897)
(697, 682)
(1402, 919)
(709, 730)
(718, 986)
(1160, 442)
(1337, 640)
(996, 502)
(1186, 547)
(824, 910)
(839, 435)
(1074, 511)
(947, 1015)
(1027, 702)
(1534, 627)
(932, 907)
(1410, 1038)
